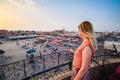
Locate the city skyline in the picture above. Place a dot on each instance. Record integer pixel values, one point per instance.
(49, 15)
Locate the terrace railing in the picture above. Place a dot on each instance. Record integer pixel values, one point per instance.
(41, 66)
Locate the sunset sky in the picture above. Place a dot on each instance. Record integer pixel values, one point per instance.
(48, 15)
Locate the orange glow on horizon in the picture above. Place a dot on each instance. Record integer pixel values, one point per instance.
(10, 19)
(16, 15)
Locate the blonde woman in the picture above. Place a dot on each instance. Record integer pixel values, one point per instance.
(84, 53)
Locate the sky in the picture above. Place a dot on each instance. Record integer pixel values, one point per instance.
(49, 15)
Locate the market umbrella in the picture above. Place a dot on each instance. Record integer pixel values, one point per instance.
(31, 51)
(2, 51)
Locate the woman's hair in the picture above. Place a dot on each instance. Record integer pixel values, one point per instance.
(86, 29)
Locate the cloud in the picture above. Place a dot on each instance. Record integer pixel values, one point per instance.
(22, 5)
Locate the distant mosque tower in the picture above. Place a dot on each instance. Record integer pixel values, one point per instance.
(106, 33)
(63, 30)
(116, 32)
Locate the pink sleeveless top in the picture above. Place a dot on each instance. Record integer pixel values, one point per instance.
(77, 61)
